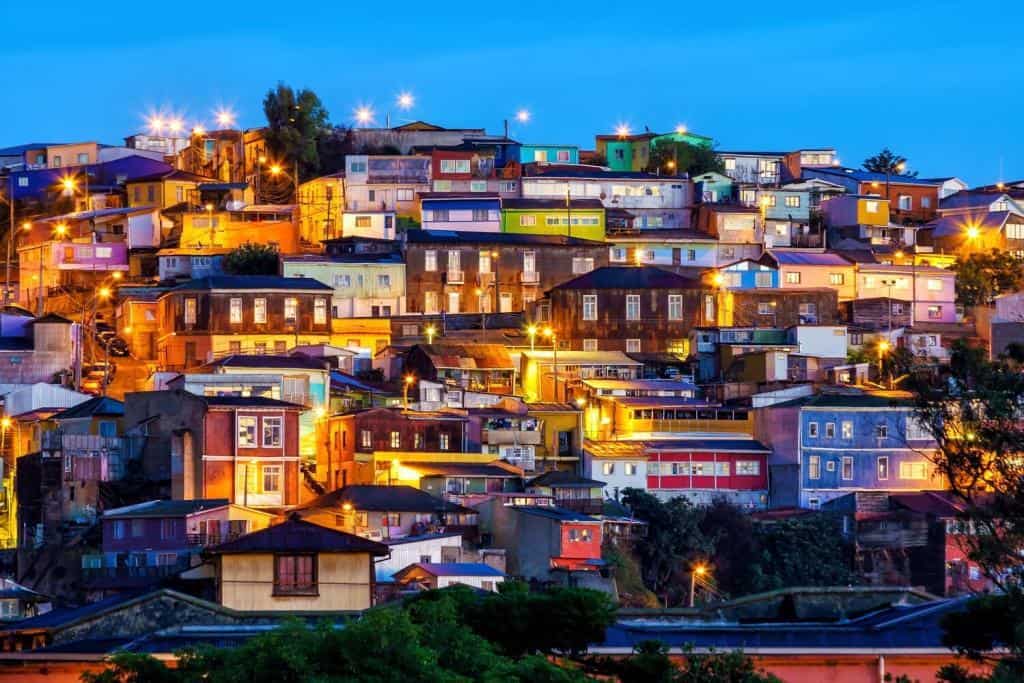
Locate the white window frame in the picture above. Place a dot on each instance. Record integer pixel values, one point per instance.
(589, 311)
(675, 306)
(633, 307)
(259, 310)
(272, 425)
(247, 421)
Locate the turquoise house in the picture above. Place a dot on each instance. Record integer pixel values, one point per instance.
(749, 274)
(549, 154)
(712, 187)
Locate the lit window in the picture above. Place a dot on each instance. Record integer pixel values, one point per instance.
(748, 468)
(632, 346)
(590, 307)
(430, 260)
(814, 467)
(883, 467)
(607, 468)
(396, 440)
(271, 478)
(632, 307)
(365, 438)
(913, 470)
(236, 310)
(320, 311)
(836, 278)
(291, 310)
(190, 311)
(847, 429)
(793, 202)
(871, 206)
(443, 441)
(590, 345)
(935, 312)
(792, 278)
(259, 310)
(675, 306)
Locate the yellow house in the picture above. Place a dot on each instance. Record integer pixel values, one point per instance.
(323, 205)
(367, 333)
(164, 190)
(272, 224)
(561, 441)
(297, 566)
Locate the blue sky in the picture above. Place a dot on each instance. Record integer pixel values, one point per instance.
(939, 83)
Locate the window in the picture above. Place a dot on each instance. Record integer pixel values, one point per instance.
(1014, 231)
(847, 429)
(430, 260)
(935, 312)
(814, 467)
(260, 348)
(691, 254)
(675, 306)
(120, 529)
(590, 307)
(607, 468)
(709, 308)
(934, 284)
(562, 155)
(507, 186)
(632, 346)
(138, 528)
(430, 302)
(871, 206)
(443, 441)
(384, 281)
(272, 432)
(295, 575)
(916, 430)
(883, 467)
(881, 431)
(271, 478)
(830, 465)
(259, 310)
(590, 345)
(913, 470)
(814, 503)
(365, 438)
(847, 472)
(320, 311)
(748, 468)
(57, 161)
(525, 221)
(632, 307)
(280, 346)
(236, 310)
(478, 186)
(792, 278)
(453, 302)
(404, 194)
(765, 308)
(291, 310)
(630, 469)
(812, 430)
(793, 202)
(897, 308)
(582, 265)
(364, 221)
(485, 262)
(190, 311)
(769, 200)
(830, 430)
(748, 197)
(905, 202)
(396, 440)
(247, 431)
(836, 278)
(730, 163)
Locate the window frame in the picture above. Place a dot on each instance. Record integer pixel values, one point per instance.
(273, 422)
(310, 589)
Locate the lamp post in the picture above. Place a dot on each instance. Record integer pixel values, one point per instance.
(581, 403)
(430, 331)
(883, 347)
(483, 314)
(699, 570)
(888, 172)
(407, 382)
(209, 221)
(531, 331)
(26, 226)
(550, 333)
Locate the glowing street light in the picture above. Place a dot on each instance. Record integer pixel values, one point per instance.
(68, 183)
(680, 129)
(156, 124)
(198, 130)
(430, 331)
(531, 331)
(176, 125)
(407, 382)
(225, 118)
(973, 232)
(698, 570)
(60, 229)
(717, 279)
(103, 292)
(622, 130)
(405, 101)
(364, 115)
(523, 116)
(275, 170)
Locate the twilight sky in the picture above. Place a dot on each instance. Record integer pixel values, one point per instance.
(940, 82)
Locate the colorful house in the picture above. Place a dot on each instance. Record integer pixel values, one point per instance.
(549, 154)
(625, 152)
(929, 291)
(748, 274)
(165, 190)
(912, 199)
(707, 469)
(221, 227)
(579, 218)
(475, 212)
(813, 268)
(365, 285)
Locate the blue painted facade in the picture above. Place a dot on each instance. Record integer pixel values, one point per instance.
(712, 188)
(787, 205)
(747, 274)
(552, 154)
(857, 447)
(461, 213)
(39, 182)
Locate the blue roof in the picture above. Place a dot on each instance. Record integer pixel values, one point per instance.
(801, 258)
(61, 617)
(458, 569)
(871, 177)
(259, 282)
(560, 514)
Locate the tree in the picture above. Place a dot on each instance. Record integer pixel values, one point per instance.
(889, 162)
(980, 277)
(684, 158)
(296, 120)
(804, 551)
(650, 663)
(251, 259)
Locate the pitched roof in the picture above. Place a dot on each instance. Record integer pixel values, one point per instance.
(937, 503)
(383, 499)
(872, 177)
(52, 318)
(556, 513)
(174, 174)
(953, 226)
(258, 282)
(630, 277)
(248, 402)
(100, 405)
(453, 569)
(468, 356)
(564, 479)
(466, 469)
(297, 535)
(165, 508)
(805, 258)
(238, 360)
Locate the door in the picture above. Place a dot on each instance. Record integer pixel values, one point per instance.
(453, 302)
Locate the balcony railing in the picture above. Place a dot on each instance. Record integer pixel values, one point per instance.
(454, 277)
(513, 436)
(529, 277)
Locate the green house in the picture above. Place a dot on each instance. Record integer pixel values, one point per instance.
(581, 218)
(633, 152)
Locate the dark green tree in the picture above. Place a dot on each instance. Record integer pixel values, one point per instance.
(251, 259)
(980, 277)
(671, 157)
(296, 120)
(650, 663)
(889, 162)
(804, 551)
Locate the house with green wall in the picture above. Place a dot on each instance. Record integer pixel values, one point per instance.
(633, 152)
(581, 218)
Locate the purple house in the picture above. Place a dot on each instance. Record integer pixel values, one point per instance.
(37, 183)
(146, 542)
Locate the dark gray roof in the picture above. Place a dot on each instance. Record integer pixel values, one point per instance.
(630, 277)
(384, 499)
(565, 480)
(557, 513)
(270, 361)
(719, 445)
(296, 535)
(258, 282)
(101, 405)
(61, 617)
(165, 508)
(248, 402)
(469, 237)
(454, 569)
(517, 204)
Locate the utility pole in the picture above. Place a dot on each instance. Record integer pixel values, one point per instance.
(10, 236)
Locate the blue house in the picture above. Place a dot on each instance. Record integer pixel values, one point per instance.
(462, 211)
(831, 444)
(549, 154)
(108, 175)
(749, 274)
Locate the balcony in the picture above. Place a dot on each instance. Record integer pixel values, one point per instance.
(485, 279)
(529, 277)
(454, 277)
(512, 436)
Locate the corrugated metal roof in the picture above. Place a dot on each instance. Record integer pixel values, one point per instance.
(801, 258)
(631, 277)
(469, 356)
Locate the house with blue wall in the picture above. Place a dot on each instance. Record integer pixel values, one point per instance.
(462, 211)
(831, 444)
(713, 187)
(749, 274)
(549, 154)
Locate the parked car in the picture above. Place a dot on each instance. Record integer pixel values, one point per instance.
(118, 347)
(99, 370)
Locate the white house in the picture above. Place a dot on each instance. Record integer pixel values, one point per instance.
(619, 464)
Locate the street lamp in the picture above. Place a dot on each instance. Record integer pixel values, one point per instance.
(550, 334)
(698, 570)
(225, 118)
(430, 331)
(883, 348)
(407, 382)
(531, 331)
(523, 116)
(900, 167)
(622, 130)
(364, 115)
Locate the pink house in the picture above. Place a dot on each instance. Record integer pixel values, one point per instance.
(930, 292)
(806, 268)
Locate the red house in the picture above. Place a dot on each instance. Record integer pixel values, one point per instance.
(705, 470)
